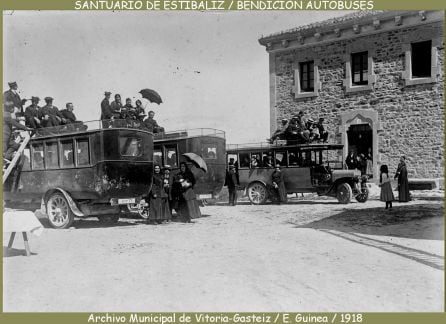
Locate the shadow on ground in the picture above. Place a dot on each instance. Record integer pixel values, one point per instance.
(417, 221)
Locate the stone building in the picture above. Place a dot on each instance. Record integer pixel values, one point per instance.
(377, 79)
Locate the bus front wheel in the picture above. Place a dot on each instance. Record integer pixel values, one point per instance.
(58, 211)
(344, 193)
(257, 193)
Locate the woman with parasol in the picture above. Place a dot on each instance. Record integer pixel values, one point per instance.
(187, 203)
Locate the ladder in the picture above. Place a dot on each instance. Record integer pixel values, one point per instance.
(16, 158)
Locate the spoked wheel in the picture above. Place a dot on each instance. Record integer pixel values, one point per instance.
(363, 195)
(257, 193)
(344, 193)
(58, 211)
(142, 210)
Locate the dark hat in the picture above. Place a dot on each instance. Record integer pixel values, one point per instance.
(107, 93)
(13, 83)
(49, 99)
(35, 98)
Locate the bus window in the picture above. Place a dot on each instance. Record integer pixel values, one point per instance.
(281, 159)
(316, 157)
(130, 146)
(294, 158)
(171, 155)
(244, 160)
(209, 151)
(255, 160)
(38, 159)
(232, 160)
(306, 157)
(83, 157)
(157, 157)
(267, 160)
(26, 159)
(67, 154)
(52, 155)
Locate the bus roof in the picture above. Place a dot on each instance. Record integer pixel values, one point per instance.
(282, 145)
(188, 133)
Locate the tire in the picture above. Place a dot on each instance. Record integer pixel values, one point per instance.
(58, 211)
(363, 195)
(142, 211)
(344, 193)
(257, 193)
(109, 219)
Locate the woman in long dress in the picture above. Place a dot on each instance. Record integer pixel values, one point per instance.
(187, 205)
(386, 187)
(278, 183)
(403, 182)
(369, 168)
(158, 199)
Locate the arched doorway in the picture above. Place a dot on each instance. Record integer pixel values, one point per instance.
(359, 132)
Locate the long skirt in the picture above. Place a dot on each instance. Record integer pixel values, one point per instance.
(386, 192)
(159, 209)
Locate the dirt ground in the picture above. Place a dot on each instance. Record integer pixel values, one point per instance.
(307, 255)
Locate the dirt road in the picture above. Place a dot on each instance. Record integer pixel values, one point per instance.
(303, 256)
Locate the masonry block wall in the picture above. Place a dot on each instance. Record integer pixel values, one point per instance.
(411, 117)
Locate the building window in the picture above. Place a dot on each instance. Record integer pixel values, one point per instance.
(306, 79)
(307, 76)
(359, 68)
(421, 59)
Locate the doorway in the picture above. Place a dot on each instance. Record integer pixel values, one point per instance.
(360, 139)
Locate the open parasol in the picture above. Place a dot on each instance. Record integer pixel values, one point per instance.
(151, 95)
(197, 161)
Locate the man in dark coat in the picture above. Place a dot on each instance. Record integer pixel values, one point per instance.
(32, 114)
(322, 132)
(351, 161)
(13, 96)
(279, 193)
(9, 125)
(50, 115)
(151, 125)
(68, 115)
(106, 111)
(403, 182)
(232, 182)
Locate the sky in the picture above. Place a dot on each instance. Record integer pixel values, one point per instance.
(208, 67)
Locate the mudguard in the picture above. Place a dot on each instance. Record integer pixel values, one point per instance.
(70, 201)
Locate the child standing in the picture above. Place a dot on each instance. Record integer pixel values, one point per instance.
(386, 188)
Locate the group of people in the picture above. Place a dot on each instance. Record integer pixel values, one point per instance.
(173, 192)
(299, 129)
(386, 187)
(363, 162)
(117, 114)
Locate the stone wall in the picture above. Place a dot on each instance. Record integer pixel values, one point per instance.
(411, 117)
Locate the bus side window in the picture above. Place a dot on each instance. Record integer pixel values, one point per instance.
(26, 159)
(232, 160)
(37, 158)
(158, 157)
(209, 151)
(67, 154)
(83, 156)
(244, 160)
(281, 159)
(293, 158)
(306, 158)
(52, 155)
(255, 160)
(171, 156)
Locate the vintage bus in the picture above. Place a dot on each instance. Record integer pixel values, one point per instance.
(83, 171)
(208, 143)
(306, 168)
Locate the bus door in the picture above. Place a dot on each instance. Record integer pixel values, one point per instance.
(298, 174)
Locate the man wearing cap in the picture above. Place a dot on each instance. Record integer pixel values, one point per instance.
(322, 132)
(232, 182)
(13, 96)
(280, 133)
(106, 112)
(32, 113)
(151, 125)
(50, 115)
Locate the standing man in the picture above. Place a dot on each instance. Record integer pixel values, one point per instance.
(152, 125)
(106, 112)
(322, 132)
(403, 181)
(116, 107)
(10, 123)
(232, 182)
(32, 114)
(351, 161)
(13, 96)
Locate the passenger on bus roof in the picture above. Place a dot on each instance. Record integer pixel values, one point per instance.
(10, 124)
(32, 113)
(139, 111)
(116, 106)
(50, 115)
(280, 133)
(106, 112)
(151, 125)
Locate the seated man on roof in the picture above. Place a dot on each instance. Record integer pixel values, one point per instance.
(151, 125)
(70, 118)
(280, 132)
(50, 115)
(32, 113)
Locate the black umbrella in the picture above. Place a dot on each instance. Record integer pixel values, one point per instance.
(151, 95)
(197, 160)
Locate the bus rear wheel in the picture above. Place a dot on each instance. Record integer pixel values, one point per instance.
(363, 195)
(58, 211)
(257, 193)
(344, 193)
